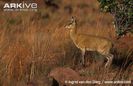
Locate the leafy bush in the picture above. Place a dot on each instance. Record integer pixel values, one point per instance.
(122, 11)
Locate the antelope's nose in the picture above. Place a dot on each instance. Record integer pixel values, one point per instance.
(66, 26)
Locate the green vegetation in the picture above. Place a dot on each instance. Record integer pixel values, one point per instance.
(122, 11)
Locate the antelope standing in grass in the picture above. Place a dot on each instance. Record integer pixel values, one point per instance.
(90, 43)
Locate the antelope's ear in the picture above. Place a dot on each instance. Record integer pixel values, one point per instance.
(73, 19)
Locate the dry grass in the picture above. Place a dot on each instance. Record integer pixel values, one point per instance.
(33, 43)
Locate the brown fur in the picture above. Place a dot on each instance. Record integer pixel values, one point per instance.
(90, 43)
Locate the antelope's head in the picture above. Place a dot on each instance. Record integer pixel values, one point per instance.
(72, 23)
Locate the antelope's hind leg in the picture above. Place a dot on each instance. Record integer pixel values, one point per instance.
(109, 60)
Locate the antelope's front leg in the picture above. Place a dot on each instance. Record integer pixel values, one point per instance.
(83, 57)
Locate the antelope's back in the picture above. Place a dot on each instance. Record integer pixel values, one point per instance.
(92, 42)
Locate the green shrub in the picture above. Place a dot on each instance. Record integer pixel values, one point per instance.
(122, 13)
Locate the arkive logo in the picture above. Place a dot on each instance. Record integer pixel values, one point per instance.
(20, 6)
